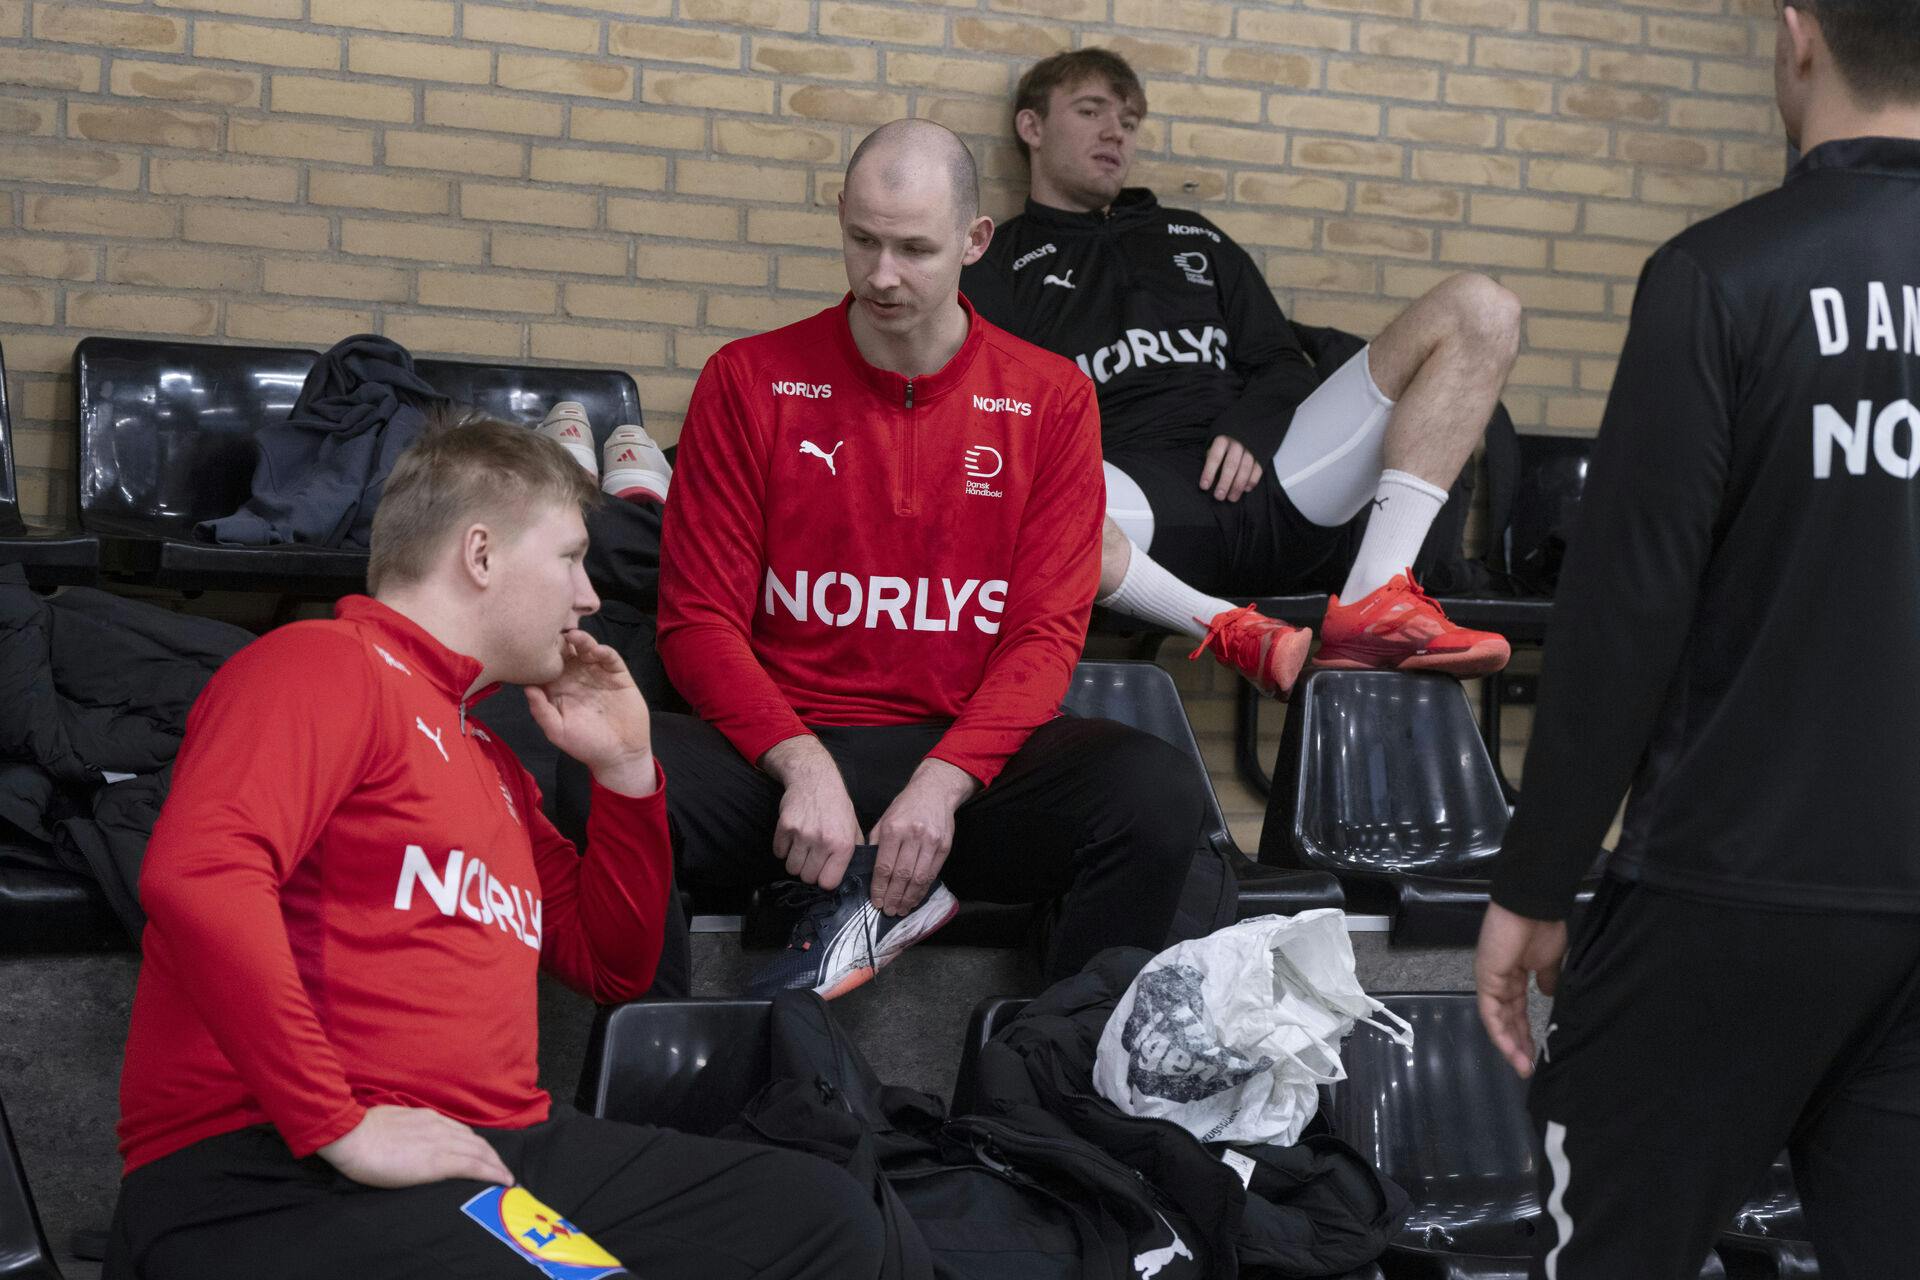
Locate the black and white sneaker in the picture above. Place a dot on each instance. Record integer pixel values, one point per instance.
(842, 939)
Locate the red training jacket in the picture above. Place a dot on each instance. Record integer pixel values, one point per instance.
(847, 546)
(349, 892)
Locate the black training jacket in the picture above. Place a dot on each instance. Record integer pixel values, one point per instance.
(1166, 314)
(1737, 629)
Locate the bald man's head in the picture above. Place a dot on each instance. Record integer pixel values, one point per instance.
(905, 154)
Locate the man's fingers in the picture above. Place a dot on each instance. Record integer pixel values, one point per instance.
(1236, 480)
(885, 869)
(1249, 476)
(834, 865)
(1512, 1037)
(1216, 453)
(470, 1164)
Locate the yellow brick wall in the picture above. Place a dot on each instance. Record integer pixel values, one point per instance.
(634, 182)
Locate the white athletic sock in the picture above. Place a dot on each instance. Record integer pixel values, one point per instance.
(1403, 510)
(1148, 592)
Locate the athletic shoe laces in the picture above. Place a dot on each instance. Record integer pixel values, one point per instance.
(1235, 628)
(817, 906)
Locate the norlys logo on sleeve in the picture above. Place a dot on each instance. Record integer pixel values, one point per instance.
(1181, 229)
(848, 600)
(1033, 256)
(463, 886)
(1003, 404)
(1138, 348)
(806, 390)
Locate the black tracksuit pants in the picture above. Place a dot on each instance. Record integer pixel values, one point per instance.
(1103, 813)
(1691, 1041)
(666, 1204)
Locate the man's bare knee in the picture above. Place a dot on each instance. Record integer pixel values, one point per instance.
(1484, 313)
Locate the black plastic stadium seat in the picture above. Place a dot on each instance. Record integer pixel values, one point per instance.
(166, 440)
(44, 909)
(51, 557)
(688, 1064)
(1768, 1239)
(24, 1253)
(1383, 779)
(1382, 775)
(1447, 1120)
(1143, 696)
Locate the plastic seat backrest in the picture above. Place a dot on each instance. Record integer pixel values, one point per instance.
(1144, 696)
(11, 525)
(690, 1064)
(24, 1252)
(1553, 475)
(1447, 1120)
(986, 1020)
(524, 393)
(1382, 772)
(166, 428)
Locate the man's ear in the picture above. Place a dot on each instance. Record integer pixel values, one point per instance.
(1802, 33)
(477, 550)
(979, 236)
(1027, 126)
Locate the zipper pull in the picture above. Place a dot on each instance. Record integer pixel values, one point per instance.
(909, 393)
(463, 717)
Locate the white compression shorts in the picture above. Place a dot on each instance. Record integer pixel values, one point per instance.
(1127, 506)
(1329, 464)
(1331, 459)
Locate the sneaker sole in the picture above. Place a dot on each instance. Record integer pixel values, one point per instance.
(1482, 659)
(910, 931)
(1292, 652)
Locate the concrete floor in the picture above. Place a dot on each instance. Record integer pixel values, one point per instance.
(63, 1021)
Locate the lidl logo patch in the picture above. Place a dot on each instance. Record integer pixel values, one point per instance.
(551, 1245)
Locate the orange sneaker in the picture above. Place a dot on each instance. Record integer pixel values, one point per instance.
(1264, 650)
(1399, 627)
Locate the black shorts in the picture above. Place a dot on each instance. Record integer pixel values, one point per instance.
(1260, 545)
(240, 1207)
(1691, 1042)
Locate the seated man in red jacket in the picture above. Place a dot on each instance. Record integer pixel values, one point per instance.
(332, 1069)
(877, 569)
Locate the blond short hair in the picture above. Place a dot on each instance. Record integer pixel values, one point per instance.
(467, 466)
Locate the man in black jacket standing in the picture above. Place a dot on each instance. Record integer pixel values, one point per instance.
(1228, 457)
(1737, 641)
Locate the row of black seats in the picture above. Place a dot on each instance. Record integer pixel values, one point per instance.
(1447, 1121)
(1381, 782)
(164, 439)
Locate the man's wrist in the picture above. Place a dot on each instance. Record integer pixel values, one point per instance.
(636, 776)
(800, 758)
(948, 781)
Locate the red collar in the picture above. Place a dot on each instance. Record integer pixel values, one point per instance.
(452, 673)
(927, 387)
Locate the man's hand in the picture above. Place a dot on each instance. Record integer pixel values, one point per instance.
(1230, 471)
(594, 712)
(915, 834)
(817, 828)
(1511, 947)
(408, 1146)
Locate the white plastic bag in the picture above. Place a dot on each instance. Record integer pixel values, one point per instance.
(1229, 1035)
